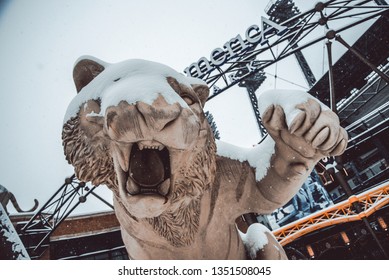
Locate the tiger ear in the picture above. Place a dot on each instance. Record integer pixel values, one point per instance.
(85, 70)
(202, 92)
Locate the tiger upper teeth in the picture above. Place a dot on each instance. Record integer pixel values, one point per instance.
(152, 147)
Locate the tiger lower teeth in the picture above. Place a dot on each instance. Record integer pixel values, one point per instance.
(143, 191)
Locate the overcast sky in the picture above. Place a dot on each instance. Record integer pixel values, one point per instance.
(41, 40)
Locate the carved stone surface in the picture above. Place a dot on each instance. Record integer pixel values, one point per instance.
(139, 128)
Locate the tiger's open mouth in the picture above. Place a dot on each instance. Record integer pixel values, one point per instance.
(149, 170)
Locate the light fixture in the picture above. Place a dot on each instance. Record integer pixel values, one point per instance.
(345, 238)
(382, 223)
(310, 251)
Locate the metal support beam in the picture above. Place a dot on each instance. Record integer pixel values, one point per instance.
(252, 83)
(331, 78)
(67, 198)
(362, 58)
(103, 200)
(308, 74)
(254, 105)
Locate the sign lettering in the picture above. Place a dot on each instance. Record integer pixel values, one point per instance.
(234, 47)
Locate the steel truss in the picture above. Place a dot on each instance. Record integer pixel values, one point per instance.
(343, 212)
(225, 76)
(36, 232)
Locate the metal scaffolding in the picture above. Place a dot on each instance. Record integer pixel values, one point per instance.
(36, 232)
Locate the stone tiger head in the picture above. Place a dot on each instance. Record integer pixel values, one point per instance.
(138, 127)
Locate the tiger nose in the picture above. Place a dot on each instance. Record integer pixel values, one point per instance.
(159, 114)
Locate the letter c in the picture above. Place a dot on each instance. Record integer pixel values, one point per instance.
(255, 38)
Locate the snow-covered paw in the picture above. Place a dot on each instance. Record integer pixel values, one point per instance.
(261, 244)
(302, 123)
(286, 99)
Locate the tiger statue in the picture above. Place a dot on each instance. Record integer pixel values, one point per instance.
(139, 128)
(7, 196)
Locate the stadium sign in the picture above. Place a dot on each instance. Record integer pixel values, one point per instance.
(234, 47)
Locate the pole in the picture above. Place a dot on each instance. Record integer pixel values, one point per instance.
(331, 77)
(332, 165)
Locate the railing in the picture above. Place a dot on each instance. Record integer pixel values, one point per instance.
(343, 212)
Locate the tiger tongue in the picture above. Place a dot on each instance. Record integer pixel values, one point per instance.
(146, 167)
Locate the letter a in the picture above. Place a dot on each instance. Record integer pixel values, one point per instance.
(281, 29)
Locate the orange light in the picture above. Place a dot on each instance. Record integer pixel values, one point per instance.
(310, 251)
(345, 238)
(382, 223)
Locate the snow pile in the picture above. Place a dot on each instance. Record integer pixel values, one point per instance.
(287, 99)
(258, 157)
(131, 80)
(10, 241)
(255, 239)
